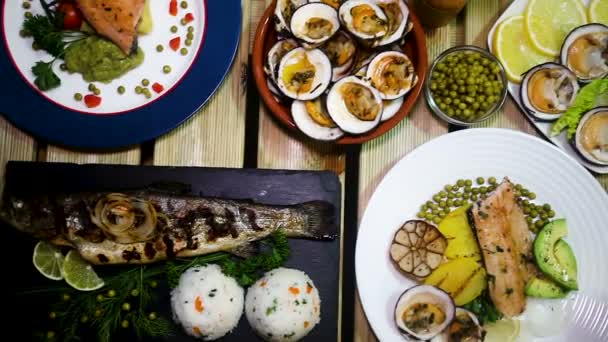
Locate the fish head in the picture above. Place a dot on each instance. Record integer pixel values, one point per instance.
(35, 215)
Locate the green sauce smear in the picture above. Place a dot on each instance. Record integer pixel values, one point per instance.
(99, 60)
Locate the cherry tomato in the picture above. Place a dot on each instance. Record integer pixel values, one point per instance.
(174, 43)
(92, 100)
(72, 18)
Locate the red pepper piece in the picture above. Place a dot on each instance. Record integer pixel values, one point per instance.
(92, 100)
(173, 7)
(157, 87)
(174, 43)
(189, 17)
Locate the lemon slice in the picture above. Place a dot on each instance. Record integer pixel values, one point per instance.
(505, 330)
(598, 11)
(548, 22)
(79, 273)
(48, 260)
(514, 50)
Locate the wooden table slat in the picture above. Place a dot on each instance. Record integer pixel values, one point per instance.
(60, 154)
(215, 135)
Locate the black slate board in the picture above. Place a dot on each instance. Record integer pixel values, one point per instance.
(319, 259)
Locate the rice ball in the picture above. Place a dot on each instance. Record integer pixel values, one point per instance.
(207, 303)
(283, 305)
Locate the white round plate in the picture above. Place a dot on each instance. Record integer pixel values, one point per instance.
(554, 176)
(24, 58)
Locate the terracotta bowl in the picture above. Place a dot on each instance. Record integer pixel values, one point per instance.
(414, 47)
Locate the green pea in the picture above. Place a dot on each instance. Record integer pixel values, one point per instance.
(449, 202)
(483, 189)
(443, 204)
(474, 197)
(91, 87)
(183, 21)
(435, 211)
(126, 306)
(475, 190)
(121, 90)
(543, 216)
(442, 215)
(458, 203)
(188, 42)
(460, 182)
(159, 48)
(97, 313)
(135, 292)
(111, 293)
(183, 51)
(467, 195)
(436, 198)
(100, 298)
(166, 69)
(420, 214)
(526, 210)
(190, 29)
(190, 36)
(145, 82)
(26, 5)
(467, 189)
(532, 195)
(78, 97)
(428, 216)
(468, 182)
(518, 187)
(152, 316)
(183, 4)
(436, 220)
(96, 91)
(138, 90)
(533, 213)
(443, 194)
(450, 195)
(63, 66)
(173, 28)
(124, 323)
(551, 214)
(480, 180)
(539, 224)
(28, 15)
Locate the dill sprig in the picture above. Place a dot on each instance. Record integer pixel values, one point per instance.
(275, 251)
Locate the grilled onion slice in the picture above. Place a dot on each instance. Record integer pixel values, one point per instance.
(125, 219)
(418, 248)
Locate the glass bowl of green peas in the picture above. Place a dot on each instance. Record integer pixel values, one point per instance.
(465, 85)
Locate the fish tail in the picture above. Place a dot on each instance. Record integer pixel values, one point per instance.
(320, 219)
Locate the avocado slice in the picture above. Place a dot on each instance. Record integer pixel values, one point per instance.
(544, 288)
(554, 256)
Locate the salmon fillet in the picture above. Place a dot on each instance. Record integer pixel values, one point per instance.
(506, 245)
(114, 19)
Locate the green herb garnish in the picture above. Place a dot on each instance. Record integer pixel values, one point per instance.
(484, 309)
(53, 40)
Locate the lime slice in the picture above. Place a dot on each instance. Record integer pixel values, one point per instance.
(548, 22)
(505, 330)
(79, 273)
(514, 50)
(48, 260)
(598, 11)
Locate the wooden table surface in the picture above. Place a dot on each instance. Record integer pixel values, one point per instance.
(235, 130)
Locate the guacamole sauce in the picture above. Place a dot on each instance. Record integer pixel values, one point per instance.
(99, 60)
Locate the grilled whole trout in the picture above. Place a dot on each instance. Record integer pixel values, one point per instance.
(145, 227)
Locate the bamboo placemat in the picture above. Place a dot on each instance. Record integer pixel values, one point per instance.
(14, 145)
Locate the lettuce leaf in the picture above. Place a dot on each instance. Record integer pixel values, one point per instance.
(588, 97)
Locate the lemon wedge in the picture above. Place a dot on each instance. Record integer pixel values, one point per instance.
(514, 50)
(548, 22)
(505, 330)
(598, 11)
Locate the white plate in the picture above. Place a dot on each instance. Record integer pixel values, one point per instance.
(24, 57)
(517, 7)
(543, 168)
